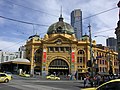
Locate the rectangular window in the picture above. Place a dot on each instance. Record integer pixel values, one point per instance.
(62, 49)
(51, 49)
(81, 59)
(100, 61)
(6, 58)
(103, 62)
(77, 59)
(67, 49)
(56, 49)
(100, 69)
(2, 75)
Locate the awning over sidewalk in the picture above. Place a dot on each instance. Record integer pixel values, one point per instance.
(18, 61)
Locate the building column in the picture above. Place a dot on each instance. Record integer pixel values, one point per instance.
(32, 62)
(44, 59)
(73, 62)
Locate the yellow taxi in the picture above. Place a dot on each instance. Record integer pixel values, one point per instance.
(5, 77)
(110, 85)
(24, 75)
(52, 77)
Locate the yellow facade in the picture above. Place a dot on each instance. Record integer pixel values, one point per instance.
(62, 53)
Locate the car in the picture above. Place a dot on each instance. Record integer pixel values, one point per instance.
(25, 75)
(5, 77)
(52, 77)
(9, 73)
(110, 85)
(37, 73)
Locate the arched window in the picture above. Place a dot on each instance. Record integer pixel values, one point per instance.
(81, 58)
(59, 29)
(80, 52)
(58, 63)
(38, 55)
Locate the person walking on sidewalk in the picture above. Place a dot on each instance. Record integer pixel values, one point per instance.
(86, 81)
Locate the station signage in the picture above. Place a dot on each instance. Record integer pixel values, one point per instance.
(44, 55)
(73, 56)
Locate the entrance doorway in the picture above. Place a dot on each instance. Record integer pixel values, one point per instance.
(58, 67)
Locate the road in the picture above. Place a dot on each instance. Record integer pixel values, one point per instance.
(22, 83)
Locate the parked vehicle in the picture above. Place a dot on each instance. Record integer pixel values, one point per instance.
(5, 77)
(25, 75)
(37, 73)
(9, 73)
(52, 77)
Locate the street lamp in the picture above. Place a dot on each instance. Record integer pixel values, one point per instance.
(91, 55)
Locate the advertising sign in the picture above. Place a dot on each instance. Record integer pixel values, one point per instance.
(73, 56)
(44, 55)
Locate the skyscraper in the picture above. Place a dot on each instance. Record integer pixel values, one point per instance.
(76, 22)
(112, 43)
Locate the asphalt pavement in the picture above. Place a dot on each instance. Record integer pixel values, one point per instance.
(40, 83)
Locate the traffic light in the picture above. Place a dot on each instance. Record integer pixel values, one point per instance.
(89, 64)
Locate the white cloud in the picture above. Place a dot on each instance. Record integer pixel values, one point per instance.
(99, 23)
(9, 46)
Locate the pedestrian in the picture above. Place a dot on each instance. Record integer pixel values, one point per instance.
(102, 80)
(95, 80)
(86, 81)
(98, 78)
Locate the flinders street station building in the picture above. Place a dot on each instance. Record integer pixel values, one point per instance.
(60, 53)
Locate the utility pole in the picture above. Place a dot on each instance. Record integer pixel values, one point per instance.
(91, 53)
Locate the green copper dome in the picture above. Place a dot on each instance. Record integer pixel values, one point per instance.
(60, 27)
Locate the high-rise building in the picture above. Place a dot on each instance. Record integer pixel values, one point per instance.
(76, 22)
(112, 43)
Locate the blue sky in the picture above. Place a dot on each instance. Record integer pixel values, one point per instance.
(46, 12)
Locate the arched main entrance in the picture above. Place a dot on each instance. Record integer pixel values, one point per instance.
(58, 67)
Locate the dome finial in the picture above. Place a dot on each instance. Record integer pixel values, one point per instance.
(61, 18)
